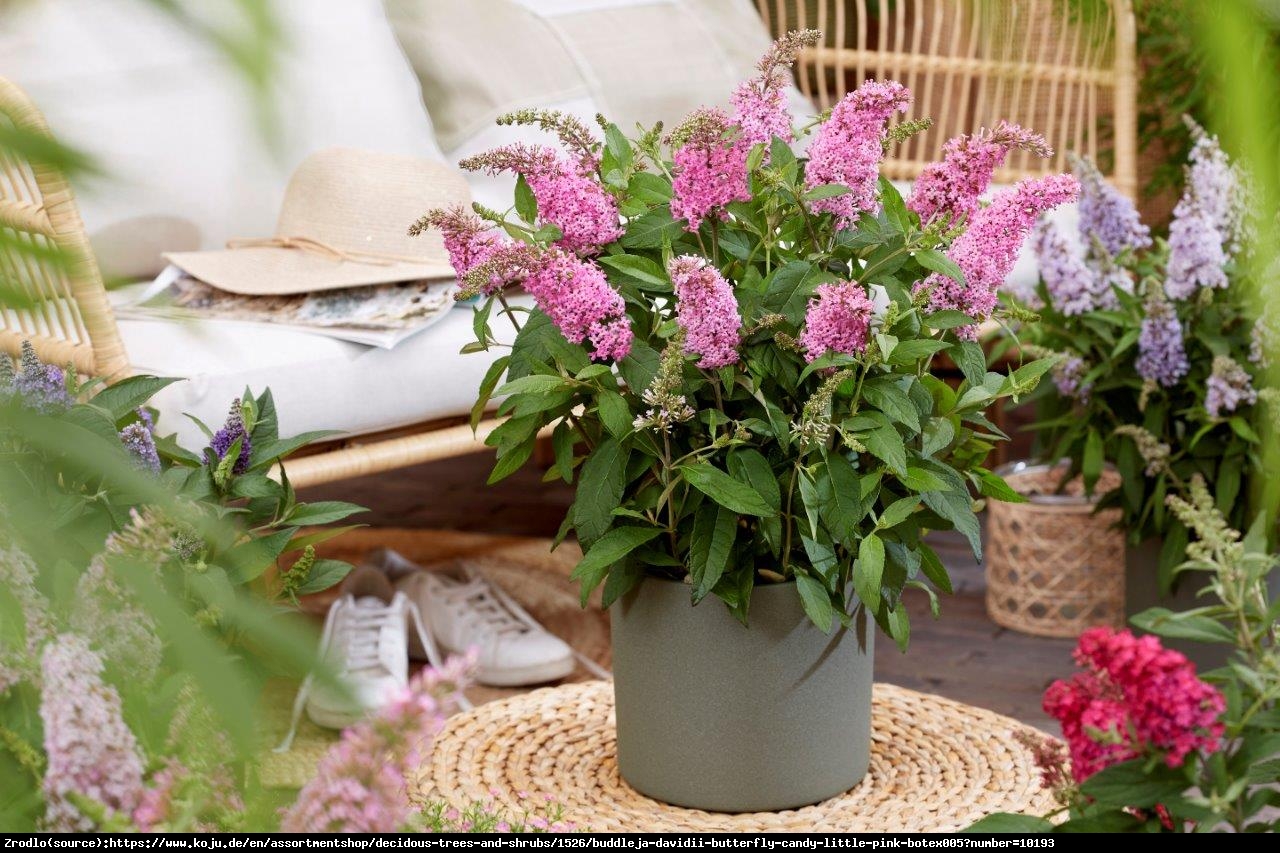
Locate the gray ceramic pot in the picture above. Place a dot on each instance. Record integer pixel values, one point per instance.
(717, 716)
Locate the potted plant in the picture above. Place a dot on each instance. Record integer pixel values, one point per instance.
(731, 348)
(1160, 341)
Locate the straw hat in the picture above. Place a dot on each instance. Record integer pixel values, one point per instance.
(343, 224)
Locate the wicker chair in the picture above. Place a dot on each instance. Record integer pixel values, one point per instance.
(1072, 83)
(973, 62)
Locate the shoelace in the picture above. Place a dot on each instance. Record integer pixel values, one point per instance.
(362, 651)
(501, 616)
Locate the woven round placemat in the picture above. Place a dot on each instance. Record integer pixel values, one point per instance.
(936, 765)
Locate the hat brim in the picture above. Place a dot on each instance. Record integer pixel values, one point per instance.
(274, 271)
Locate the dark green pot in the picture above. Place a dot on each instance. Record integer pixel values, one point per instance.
(717, 716)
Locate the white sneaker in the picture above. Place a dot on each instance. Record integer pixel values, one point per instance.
(514, 650)
(365, 648)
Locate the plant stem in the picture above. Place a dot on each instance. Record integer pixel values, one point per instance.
(506, 309)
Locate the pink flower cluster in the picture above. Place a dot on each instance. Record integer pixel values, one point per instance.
(577, 297)
(760, 110)
(467, 239)
(360, 783)
(1134, 697)
(848, 147)
(951, 187)
(90, 750)
(710, 170)
(987, 250)
(838, 320)
(707, 310)
(585, 213)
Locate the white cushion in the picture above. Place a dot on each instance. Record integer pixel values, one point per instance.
(317, 382)
(173, 125)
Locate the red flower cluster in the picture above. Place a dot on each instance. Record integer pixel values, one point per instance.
(1134, 697)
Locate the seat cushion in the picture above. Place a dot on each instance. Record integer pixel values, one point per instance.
(631, 60)
(317, 382)
(173, 126)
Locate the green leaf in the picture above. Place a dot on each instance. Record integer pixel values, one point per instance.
(934, 570)
(623, 578)
(607, 550)
(994, 486)
(650, 230)
(826, 191)
(948, 319)
(725, 490)
(889, 395)
(1003, 823)
(899, 624)
(897, 512)
(650, 188)
(248, 560)
(791, 286)
(971, 360)
(816, 602)
(510, 460)
(714, 530)
(1186, 625)
(958, 510)
(526, 204)
(128, 394)
(844, 508)
(324, 574)
(749, 465)
(640, 367)
(615, 414)
(536, 384)
(908, 352)
(938, 434)
(322, 512)
(265, 455)
(639, 268)
(1131, 785)
(490, 381)
(886, 445)
(600, 488)
(935, 261)
(869, 573)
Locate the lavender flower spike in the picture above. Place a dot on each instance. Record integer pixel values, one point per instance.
(1206, 222)
(1162, 355)
(1107, 217)
(225, 437)
(41, 386)
(1228, 387)
(141, 445)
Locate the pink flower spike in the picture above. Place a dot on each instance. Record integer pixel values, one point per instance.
(838, 320)
(577, 297)
(951, 188)
(710, 168)
(707, 310)
(848, 147)
(467, 239)
(987, 250)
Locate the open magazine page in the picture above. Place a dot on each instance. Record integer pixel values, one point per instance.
(376, 315)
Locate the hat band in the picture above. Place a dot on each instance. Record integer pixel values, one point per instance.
(309, 244)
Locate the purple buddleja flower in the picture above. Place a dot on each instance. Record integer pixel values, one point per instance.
(141, 446)
(577, 297)
(1162, 355)
(760, 104)
(951, 188)
(849, 146)
(21, 662)
(1207, 221)
(361, 783)
(1067, 280)
(225, 437)
(987, 250)
(567, 196)
(838, 320)
(707, 311)
(7, 376)
(710, 168)
(1229, 386)
(1068, 376)
(90, 750)
(41, 386)
(1108, 218)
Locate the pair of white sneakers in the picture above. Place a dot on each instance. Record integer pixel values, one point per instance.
(390, 610)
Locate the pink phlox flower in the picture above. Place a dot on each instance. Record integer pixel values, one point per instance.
(987, 250)
(577, 297)
(952, 187)
(1134, 696)
(838, 320)
(710, 168)
(568, 198)
(849, 146)
(707, 310)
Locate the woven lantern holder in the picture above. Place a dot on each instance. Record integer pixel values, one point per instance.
(1054, 567)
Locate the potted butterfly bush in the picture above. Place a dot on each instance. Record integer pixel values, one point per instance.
(1160, 343)
(732, 347)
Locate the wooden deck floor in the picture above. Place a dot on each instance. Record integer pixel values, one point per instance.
(962, 655)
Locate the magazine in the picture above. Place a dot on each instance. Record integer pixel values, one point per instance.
(379, 315)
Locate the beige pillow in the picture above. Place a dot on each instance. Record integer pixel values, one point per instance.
(633, 60)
